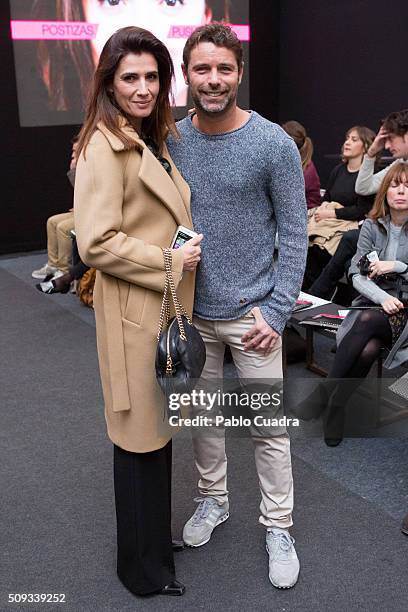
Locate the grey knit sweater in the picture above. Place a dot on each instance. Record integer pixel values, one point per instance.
(245, 185)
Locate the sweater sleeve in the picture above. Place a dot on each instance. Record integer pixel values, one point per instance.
(365, 245)
(401, 268)
(367, 182)
(330, 182)
(312, 185)
(369, 289)
(287, 194)
(357, 212)
(364, 285)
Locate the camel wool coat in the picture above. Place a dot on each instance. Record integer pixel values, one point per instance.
(126, 208)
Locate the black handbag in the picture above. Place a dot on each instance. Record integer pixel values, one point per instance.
(400, 284)
(180, 355)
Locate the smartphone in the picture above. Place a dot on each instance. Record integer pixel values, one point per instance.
(373, 257)
(181, 236)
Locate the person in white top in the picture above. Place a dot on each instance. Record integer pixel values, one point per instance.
(393, 136)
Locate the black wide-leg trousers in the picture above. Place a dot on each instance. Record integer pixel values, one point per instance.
(143, 513)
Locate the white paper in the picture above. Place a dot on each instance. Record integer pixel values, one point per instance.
(312, 298)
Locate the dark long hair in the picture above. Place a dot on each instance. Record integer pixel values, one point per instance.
(55, 56)
(101, 105)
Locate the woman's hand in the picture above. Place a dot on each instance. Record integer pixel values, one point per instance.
(378, 268)
(322, 212)
(392, 305)
(191, 251)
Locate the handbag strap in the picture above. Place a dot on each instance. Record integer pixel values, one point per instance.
(170, 290)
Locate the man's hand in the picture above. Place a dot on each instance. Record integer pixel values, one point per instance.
(378, 143)
(260, 337)
(392, 305)
(378, 268)
(322, 212)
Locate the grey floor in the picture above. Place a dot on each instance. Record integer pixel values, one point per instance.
(57, 513)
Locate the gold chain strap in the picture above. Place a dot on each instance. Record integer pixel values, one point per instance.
(164, 309)
(169, 287)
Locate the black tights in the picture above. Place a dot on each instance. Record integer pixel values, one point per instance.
(355, 355)
(361, 346)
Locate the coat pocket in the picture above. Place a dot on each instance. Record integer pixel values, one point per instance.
(135, 304)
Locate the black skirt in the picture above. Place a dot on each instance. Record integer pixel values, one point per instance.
(143, 511)
(397, 323)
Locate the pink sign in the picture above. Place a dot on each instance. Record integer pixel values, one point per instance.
(53, 30)
(242, 31)
(184, 31)
(82, 30)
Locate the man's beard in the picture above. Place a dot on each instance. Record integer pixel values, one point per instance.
(214, 108)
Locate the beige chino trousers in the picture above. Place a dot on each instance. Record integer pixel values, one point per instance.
(59, 242)
(272, 453)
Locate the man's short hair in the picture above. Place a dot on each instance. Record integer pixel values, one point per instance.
(397, 123)
(217, 33)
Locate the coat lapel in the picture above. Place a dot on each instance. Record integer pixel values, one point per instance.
(172, 190)
(157, 180)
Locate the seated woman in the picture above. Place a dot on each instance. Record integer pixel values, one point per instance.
(384, 282)
(305, 146)
(341, 190)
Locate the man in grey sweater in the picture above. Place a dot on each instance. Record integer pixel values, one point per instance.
(393, 136)
(246, 184)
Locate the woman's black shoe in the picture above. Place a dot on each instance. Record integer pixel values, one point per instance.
(333, 425)
(333, 441)
(174, 588)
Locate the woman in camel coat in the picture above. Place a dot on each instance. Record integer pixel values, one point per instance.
(129, 200)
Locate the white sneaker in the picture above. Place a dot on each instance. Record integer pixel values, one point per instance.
(209, 513)
(283, 561)
(41, 273)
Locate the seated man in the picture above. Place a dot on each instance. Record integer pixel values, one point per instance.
(59, 243)
(393, 136)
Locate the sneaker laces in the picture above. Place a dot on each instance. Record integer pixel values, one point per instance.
(285, 542)
(205, 505)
